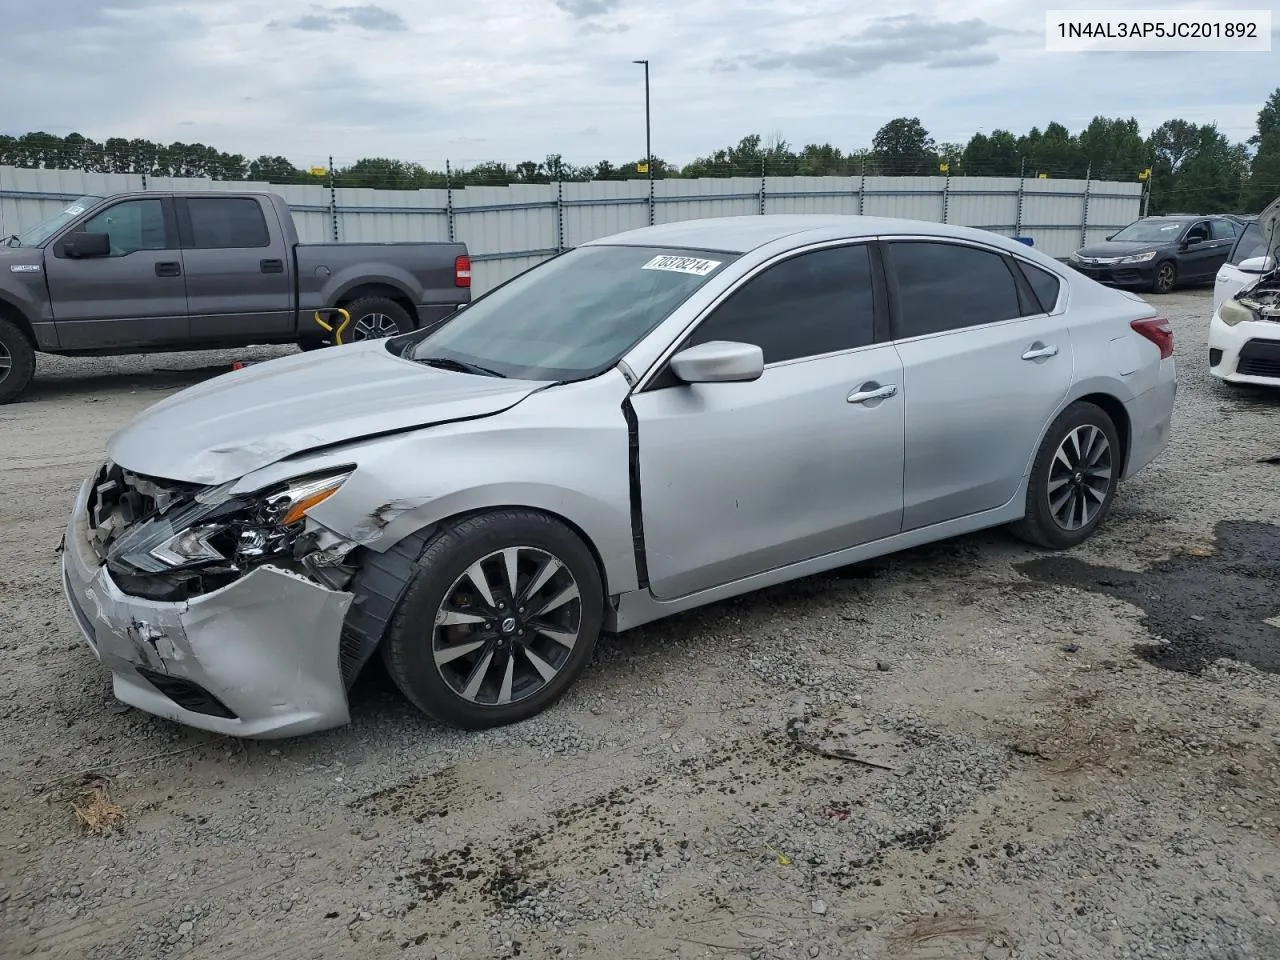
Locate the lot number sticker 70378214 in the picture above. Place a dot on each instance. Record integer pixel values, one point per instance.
(693, 265)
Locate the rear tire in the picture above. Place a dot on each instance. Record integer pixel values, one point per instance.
(17, 361)
(375, 318)
(1073, 479)
(1166, 278)
(478, 655)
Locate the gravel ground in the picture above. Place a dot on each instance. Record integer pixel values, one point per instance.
(1068, 756)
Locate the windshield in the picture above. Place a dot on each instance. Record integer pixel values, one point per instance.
(42, 231)
(571, 317)
(1150, 231)
(1251, 244)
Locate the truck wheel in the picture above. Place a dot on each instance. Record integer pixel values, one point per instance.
(499, 618)
(374, 318)
(17, 361)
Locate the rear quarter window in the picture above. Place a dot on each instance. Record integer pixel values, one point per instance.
(1045, 285)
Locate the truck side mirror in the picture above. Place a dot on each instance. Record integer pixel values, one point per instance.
(80, 246)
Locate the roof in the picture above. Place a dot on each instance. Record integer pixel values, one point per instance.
(744, 233)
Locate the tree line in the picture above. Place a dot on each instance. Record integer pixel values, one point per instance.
(1191, 167)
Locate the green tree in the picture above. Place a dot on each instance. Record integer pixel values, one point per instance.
(1113, 149)
(1268, 119)
(903, 147)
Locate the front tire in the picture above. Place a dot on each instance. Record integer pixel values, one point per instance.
(1073, 479)
(1166, 278)
(17, 361)
(500, 618)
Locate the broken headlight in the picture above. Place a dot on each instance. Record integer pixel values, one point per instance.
(218, 530)
(1233, 311)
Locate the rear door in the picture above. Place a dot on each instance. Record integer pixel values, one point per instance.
(133, 297)
(741, 478)
(985, 367)
(1222, 237)
(239, 270)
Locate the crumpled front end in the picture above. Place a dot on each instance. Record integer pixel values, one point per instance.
(1244, 335)
(210, 609)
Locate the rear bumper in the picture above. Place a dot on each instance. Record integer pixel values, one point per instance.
(258, 658)
(1249, 352)
(1151, 419)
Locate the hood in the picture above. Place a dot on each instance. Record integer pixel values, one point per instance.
(239, 422)
(1112, 248)
(1269, 221)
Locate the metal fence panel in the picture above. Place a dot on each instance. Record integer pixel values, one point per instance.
(509, 229)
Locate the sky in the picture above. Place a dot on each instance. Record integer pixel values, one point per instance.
(512, 80)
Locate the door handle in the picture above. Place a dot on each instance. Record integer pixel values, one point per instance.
(873, 391)
(271, 266)
(1039, 351)
(168, 268)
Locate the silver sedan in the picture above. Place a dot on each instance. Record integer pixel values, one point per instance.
(645, 424)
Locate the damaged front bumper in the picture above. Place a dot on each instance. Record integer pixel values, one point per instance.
(259, 657)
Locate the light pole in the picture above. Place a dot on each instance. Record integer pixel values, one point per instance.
(648, 142)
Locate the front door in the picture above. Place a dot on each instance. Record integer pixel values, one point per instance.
(134, 297)
(984, 370)
(741, 478)
(1199, 261)
(239, 272)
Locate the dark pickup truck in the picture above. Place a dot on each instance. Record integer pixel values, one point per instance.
(153, 272)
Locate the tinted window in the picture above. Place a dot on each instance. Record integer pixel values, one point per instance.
(133, 225)
(1044, 283)
(1200, 230)
(1222, 230)
(1251, 244)
(221, 222)
(944, 286)
(808, 305)
(572, 316)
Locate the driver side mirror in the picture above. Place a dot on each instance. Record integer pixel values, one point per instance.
(1192, 239)
(79, 246)
(1257, 265)
(719, 361)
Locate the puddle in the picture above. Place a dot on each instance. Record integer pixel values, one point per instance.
(1223, 605)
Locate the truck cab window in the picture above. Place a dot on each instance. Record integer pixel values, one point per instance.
(131, 226)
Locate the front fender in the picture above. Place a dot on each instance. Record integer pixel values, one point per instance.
(563, 451)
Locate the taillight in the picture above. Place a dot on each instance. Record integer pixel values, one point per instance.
(462, 271)
(1158, 331)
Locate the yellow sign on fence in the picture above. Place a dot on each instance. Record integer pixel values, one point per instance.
(944, 167)
(318, 171)
(642, 167)
(1144, 174)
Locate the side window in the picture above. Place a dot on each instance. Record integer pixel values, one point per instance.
(946, 286)
(1200, 230)
(131, 226)
(814, 303)
(220, 223)
(1222, 230)
(1043, 283)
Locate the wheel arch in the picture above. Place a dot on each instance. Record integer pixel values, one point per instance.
(15, 315)
(382, 577)
(385, 289)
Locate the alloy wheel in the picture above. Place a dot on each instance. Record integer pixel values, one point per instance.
(507, 626)
(374, 326)
(6, 362)
(1165, 278)
(1080, 477)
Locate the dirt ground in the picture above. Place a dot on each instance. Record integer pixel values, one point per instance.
(966, 751)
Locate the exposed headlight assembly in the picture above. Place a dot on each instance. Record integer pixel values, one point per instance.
(218, 530)
(1138, 258)
(1233, 311)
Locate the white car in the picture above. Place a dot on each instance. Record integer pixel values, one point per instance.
(1244, 334)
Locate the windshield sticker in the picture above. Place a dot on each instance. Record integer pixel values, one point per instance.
(690, 265)
(74, 211)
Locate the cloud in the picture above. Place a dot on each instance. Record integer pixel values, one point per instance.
(523, 81)
(887, 41)
(368, 16)
(583, 9)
